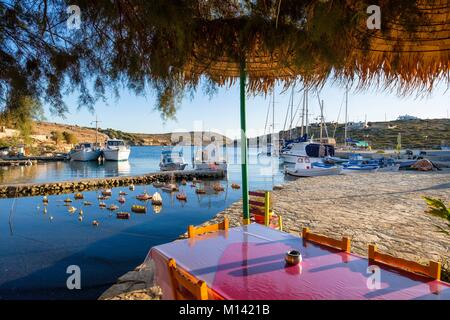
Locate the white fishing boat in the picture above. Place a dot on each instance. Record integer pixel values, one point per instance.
(116, 150)
(84, 152)
(171, 160)
(315, 151)
(205, 160)
(304, 168)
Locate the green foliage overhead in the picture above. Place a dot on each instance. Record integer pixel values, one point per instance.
(147, 45)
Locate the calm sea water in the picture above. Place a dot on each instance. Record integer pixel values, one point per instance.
(37, 247)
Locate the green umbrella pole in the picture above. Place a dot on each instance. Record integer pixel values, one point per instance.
(244, 158)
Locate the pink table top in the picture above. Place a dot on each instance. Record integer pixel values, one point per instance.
(247, 263)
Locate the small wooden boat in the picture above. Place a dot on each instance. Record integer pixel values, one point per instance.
(72, 209)
(87, 203)
(121, 200)
(235, 186)
(80, 213)
(200, 191)
(181, 197)
(68, 200)
(113, 207)
(102, 205)
(138, 209)
(122, 193)
(123, 215)
(131, 187)
(79, 196)
(107, 193)
(158, 184)
(95, 223)
(100, 197)
(171, 187)
(144, 196)
(45, 199)
(156, 199)
(218, 187)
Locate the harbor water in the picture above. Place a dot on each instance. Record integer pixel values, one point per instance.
(39, 243)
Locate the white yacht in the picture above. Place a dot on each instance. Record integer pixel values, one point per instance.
(116, 150)
(315, 151)
(85, 152)
(172, 160)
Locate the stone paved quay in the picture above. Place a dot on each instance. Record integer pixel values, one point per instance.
(49, 188)
(382, 208)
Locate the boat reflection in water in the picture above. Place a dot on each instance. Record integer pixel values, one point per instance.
(93, 169)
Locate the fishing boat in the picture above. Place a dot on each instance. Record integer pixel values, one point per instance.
(205, 160)
(85, 152)
(357, 164)
(144, 196)
(304, 148)
(304, 168)
(116, 150)
(181, 196)
(170, 187)
(388, 165)
(138, 209)
(156, 199)
(171, 161)
(123, 215)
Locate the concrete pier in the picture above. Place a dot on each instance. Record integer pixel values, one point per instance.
(50, 188)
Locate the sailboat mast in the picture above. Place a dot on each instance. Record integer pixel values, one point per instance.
(292, 113)
(303, 113)
(307, 116)
(346, 115)
(273, 113)
(321, 120)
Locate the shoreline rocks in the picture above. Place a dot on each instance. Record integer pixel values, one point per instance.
(54, 188)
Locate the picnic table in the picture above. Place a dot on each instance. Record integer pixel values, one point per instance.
(247, 263)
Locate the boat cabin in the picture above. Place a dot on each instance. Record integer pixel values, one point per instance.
(115, 143)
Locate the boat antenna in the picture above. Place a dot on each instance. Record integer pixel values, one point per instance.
(96, 129)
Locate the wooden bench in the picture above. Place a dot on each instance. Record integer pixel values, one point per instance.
(261, 210)
(433, 270)
(343, 244)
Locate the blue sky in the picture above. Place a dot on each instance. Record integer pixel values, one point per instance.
(221, 112)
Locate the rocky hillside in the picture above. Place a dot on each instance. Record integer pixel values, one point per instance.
(165, 139)
(415, 134)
